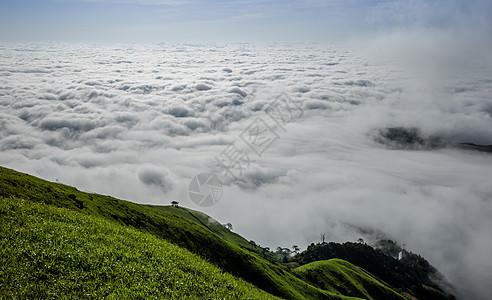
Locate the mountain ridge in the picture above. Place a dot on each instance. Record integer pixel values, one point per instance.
(190, 230)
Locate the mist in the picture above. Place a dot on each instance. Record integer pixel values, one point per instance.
(138, 121)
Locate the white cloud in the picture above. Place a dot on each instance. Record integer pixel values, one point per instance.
(138, 122)
(154, 176)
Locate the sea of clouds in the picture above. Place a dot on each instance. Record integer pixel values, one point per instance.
(139, 121)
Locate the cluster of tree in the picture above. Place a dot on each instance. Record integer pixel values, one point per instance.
(284, 252)
(263, 251)
(413, 276)
(388, 247)
(287, 253)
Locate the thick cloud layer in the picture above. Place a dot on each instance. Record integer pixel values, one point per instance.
(138, 122)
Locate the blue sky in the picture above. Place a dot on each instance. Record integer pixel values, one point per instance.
(219, 20)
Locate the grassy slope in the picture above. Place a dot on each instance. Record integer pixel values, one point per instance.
(342, 277)
(406, 277)
(162, 223)
(217, 228)
(49, 252)
(242, 263)
(208, 223)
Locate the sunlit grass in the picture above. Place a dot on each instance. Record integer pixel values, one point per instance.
(50, 252)
(339, 276)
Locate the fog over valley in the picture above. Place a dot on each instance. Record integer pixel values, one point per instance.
(372, 146)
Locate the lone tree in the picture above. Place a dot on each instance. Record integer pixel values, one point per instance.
(174, 203)
(360, 241)
(296, 249)
(228, 226)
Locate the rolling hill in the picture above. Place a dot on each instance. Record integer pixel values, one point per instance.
(56, 238)
(412, 276)
(342, 277)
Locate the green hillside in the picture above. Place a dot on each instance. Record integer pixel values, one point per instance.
(208, 223)
(50, 252)
(227, 255)
(44, 202)
(413, 276)
(219, 229)
(341, 277)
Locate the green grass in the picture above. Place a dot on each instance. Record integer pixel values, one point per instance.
(49, 252)
(213, 243)
(207, 222)
(342, 277)
(227, 255)
(219, 229)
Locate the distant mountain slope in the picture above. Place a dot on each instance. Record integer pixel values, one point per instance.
(51, 253)
(471, 146)
(412, 138)
(415, 277)
(339, 276)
